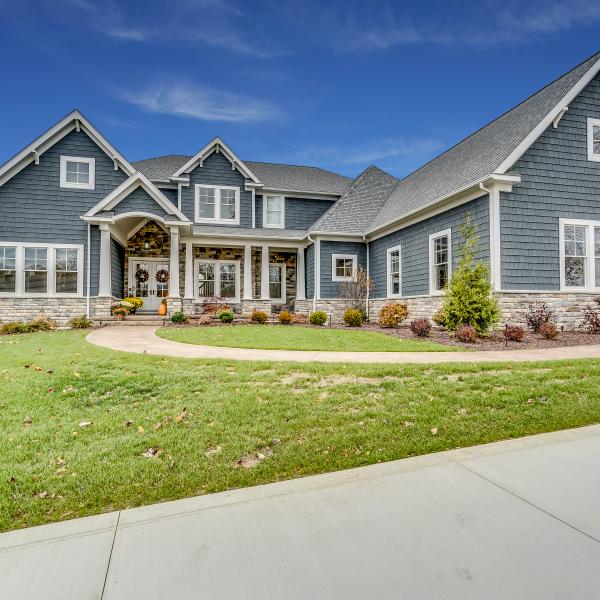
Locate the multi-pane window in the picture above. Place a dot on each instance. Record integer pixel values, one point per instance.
(217, 279)
(394, 287)
(206, 280)
(343, 267)
(440, 264)
(66, 270)
(77, 172)
(8, 269)
(217, 204)
(273, 214)
(593, 142)
(228, 279)
(575, 255)
(276, 282)
(35, 267)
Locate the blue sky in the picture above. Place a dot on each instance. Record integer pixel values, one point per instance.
(340, 85)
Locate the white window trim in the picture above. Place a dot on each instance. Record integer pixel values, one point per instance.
(354, 259)
(389, 271)
(51, 263)
(432, 238)
(590, 272)
(591, 123)
(216, 219)
(79, 186)
(283, 284)
(204, 261)
(281, 224)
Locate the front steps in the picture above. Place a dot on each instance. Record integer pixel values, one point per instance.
(132, 320)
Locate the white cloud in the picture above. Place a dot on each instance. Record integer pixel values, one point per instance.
(200, 102)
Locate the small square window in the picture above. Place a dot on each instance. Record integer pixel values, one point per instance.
(343, 267)
(77, 172)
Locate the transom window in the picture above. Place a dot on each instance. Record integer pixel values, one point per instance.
(217, 279)
(343, 267)
(394, 286)
(77, 172)
(216, 204)
(440, 261)
(580, 254)
(273, 211)
(593, 139)
(41, 269)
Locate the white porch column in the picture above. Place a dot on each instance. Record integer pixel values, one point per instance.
(264, 274)
(104, 284)
(300, 283)
(189, 271)
(248, 272)
(174, 264)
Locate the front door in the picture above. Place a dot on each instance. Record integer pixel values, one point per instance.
(150, 281)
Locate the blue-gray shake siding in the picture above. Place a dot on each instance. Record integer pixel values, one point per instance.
(558, 181)
(414, 242)
(329, 288)
(34, 208)
(139, 201)
(300, 213)
(216, 170)
(309, 267)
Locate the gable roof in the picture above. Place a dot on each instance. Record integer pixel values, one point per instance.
(73, 121)
(273, 176)
(354, 212)
(493, 149)
(129, 185)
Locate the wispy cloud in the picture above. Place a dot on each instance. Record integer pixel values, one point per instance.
(201, 102)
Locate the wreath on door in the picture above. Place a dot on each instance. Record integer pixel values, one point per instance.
(162, 276)
(142, 275)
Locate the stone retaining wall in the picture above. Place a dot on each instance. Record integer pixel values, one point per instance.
(57, 309)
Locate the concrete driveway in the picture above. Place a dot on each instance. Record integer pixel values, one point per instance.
(511, 520)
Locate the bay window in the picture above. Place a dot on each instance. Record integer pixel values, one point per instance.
(273, 211)
(217, 204)
(579, 255)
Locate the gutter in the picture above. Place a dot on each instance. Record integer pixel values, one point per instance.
(89, 270)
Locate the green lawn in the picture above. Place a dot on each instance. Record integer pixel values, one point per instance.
(323, 417)
(281, 337)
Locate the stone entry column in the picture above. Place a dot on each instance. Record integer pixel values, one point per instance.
(247, 272)
(189, 271)
(104, 284)
(264, 274)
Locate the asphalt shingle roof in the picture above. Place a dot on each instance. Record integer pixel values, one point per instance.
(272, 175)
(250, 232)
(355, 210)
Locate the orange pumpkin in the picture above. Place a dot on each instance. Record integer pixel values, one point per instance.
(162, 309)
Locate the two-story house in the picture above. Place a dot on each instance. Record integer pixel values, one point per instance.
(80, 225)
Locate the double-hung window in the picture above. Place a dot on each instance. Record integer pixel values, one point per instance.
(217, 204)
(343, 267)
(440, 261)
(593, 139)
(273, 211)
(77, 172)
(218, 279)
(41, 269)
(394, 285)
(579, 255)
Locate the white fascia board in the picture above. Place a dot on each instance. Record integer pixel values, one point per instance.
(564, 102)
(337, 236)
(300, 194)
(221, 146)
(444, 203)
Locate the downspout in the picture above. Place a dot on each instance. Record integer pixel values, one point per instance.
(87, 286)
(368, 279)
(314, 243)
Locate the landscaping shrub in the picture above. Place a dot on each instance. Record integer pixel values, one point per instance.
(319, 317)
(203, 320)
(392, 313)
(513, 333)
(299, 318)
(284, 317)
(178, 317)
(421, 327)
(213, 306)
(353, 317)
(119, 312)
(41, 323)
(439, 317)
(259, 316)
(548, 330)
(226, 316)
(591, 316)
(13, 327)
(135, 303)
(469, 298)
(81, 322)
(537, 314)
(466, 333)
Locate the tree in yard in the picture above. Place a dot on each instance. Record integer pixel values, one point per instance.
(354, 292)
(469, 299)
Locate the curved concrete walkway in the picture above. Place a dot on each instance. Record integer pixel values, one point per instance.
(143, 340)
